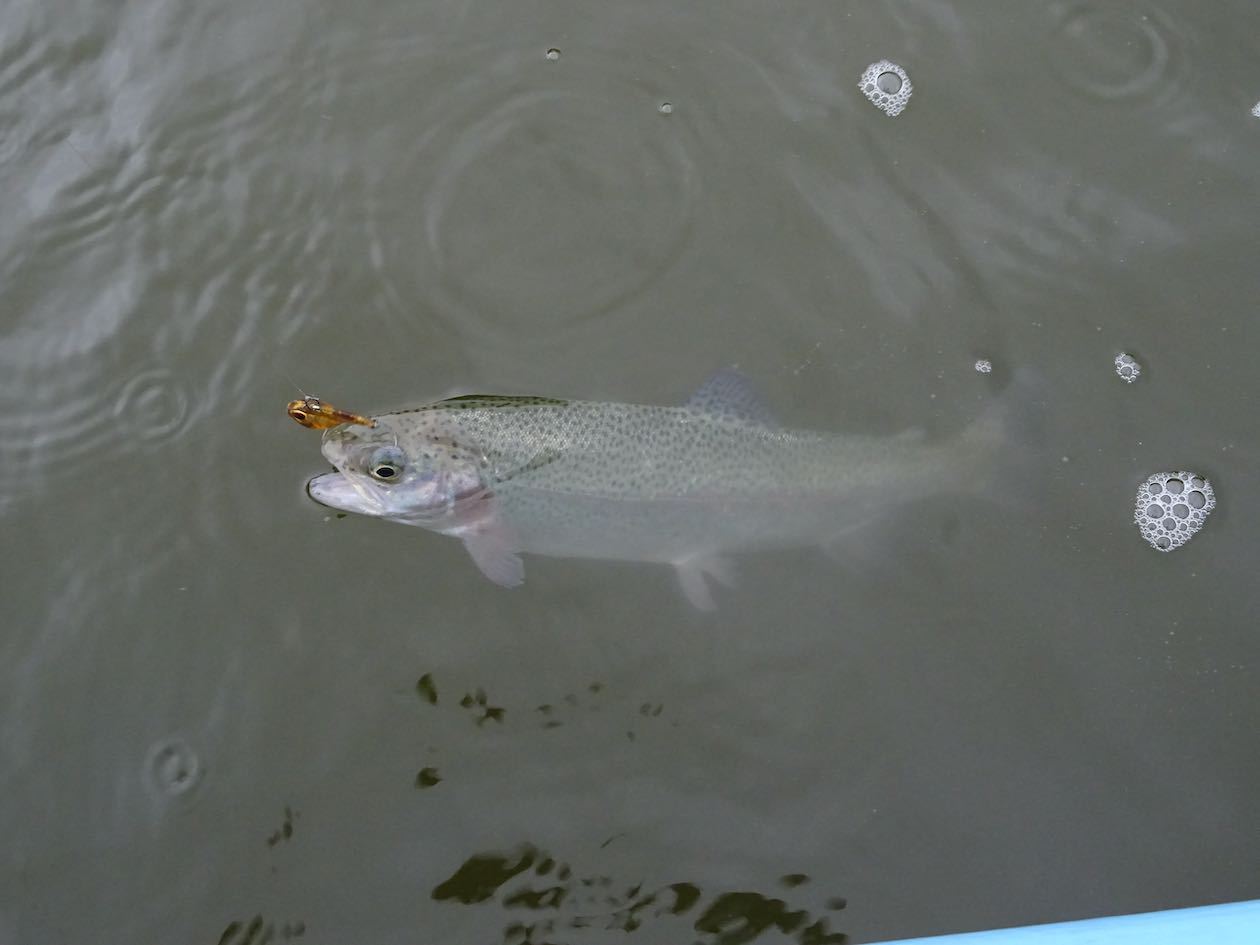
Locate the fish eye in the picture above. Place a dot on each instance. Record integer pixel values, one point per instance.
(387, 464)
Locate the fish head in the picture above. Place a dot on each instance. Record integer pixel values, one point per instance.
(385, 472)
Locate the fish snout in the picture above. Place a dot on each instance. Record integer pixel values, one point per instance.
(317, 490)
(335, 490)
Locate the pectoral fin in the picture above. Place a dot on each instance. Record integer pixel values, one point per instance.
(494, 552)
(490, 540)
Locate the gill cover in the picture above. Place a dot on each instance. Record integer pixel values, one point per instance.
(382, 477)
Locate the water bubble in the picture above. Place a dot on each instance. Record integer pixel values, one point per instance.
(666, 108)
(553, 54)
(984, 366)
(1173, 520)
(1255, 110)
(173, 768)
(887, 86)
(1127, 367)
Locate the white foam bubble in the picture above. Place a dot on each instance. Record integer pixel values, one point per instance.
(1255, 110)
(887, 86)
(984, 366)
(1171, 507)
(1127, 367)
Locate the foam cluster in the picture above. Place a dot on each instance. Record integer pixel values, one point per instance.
(887, 86)
(1127, 367)
(984, 366)
(1171, 507)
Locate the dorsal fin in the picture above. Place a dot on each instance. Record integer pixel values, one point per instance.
(502, 400)
(729, 394)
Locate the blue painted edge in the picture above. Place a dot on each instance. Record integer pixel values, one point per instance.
(1234, 923)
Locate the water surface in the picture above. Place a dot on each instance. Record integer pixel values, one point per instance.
(212, 715)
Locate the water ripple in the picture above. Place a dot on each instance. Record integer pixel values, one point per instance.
(172, 769)
(1117, 52)
(178, 229)
(547, 192)
(153, 260)
(152, 405)
(600, 206)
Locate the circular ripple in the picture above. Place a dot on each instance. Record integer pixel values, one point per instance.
(94, 263)
(173, 768)
(1115, 51)
(58, 428)
(555, 205)
(153, 405)
(535, 195)
(61, 425)
(539, 195)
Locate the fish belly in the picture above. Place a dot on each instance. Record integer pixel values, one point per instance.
(673, 530)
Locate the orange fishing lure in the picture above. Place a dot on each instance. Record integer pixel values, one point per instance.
(314, 413)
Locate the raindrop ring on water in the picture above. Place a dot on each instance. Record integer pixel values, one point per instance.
(559, 158)
(152, 405)
(1114, 51)
(173, 768)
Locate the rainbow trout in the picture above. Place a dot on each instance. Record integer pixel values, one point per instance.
(680, 485)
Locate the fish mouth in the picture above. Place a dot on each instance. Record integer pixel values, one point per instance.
(335, 490)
